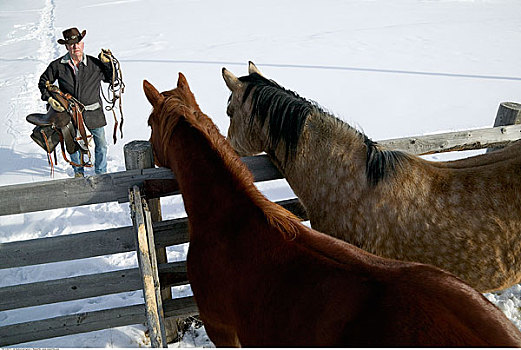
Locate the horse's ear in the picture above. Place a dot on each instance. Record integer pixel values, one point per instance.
(231, 80)
(153, 96)
(182, 83)
(252, 68)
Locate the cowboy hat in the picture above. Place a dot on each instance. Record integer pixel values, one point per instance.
(72, 36)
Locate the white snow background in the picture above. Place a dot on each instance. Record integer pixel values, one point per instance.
(391, 68)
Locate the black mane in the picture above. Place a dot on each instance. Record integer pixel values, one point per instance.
(286, 113)
(285, 110)
(380, 163)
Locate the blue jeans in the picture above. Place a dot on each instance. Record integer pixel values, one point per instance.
(100, 153)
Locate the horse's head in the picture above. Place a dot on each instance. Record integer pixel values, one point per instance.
(168, 108)
(264, 116)
(246, 133)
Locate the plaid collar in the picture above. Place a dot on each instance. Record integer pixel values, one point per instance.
(67, 59)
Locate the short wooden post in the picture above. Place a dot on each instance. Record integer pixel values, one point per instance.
(139, 155)
(148, 267)
(508, 113)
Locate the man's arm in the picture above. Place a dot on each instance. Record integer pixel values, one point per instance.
(47, 76)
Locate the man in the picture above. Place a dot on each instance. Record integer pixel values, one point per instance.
(81, 75)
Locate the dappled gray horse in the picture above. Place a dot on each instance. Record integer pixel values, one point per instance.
(463, 216)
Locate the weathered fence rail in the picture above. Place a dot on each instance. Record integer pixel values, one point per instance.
(154, 183)
(64, 193)
(457, 141)
(37, 196)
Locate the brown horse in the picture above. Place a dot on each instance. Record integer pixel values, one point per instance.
(463, 216)
(261, 278)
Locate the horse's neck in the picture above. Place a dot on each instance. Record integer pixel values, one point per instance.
(206, 182)
(329, 152)
(324, 139)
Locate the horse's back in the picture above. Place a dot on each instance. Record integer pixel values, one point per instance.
(407, 304)
(510, 153)
(307, 300)
(444, 311)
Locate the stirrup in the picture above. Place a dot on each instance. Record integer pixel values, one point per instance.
(81, 142)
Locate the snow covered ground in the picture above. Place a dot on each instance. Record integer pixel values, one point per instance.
(391, 68)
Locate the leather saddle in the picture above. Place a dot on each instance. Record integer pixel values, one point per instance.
(51, 118)
(67, 127)
(53, 123)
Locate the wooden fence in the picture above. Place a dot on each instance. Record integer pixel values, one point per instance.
(25, 198)
(131, 185)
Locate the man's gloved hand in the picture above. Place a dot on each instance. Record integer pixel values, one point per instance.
(55, 105)
(103, 55)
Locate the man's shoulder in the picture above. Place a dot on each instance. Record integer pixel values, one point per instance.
(94, 62)
(57, 61)
(93, 59)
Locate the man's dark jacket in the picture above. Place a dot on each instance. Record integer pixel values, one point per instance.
(85, 86)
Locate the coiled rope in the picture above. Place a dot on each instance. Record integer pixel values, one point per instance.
(114, 91)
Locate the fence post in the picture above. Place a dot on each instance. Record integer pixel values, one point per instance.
(148, 267)
(139, 155)
(508, 113)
